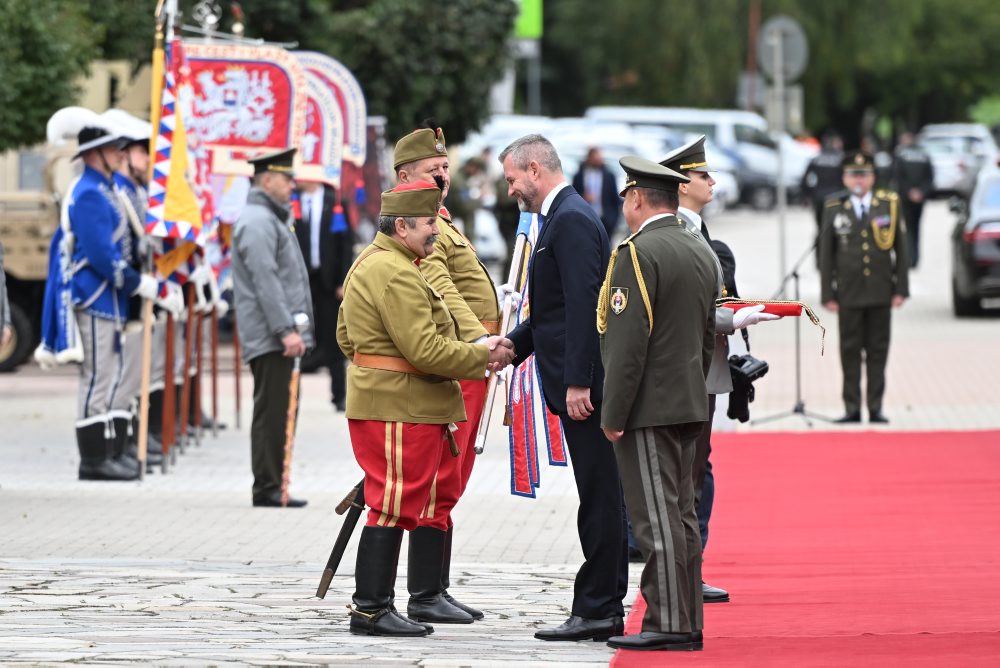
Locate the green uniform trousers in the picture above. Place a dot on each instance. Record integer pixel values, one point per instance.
(656, 466)
(272, 373)
(864, 329)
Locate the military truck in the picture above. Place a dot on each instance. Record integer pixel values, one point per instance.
(27, 222)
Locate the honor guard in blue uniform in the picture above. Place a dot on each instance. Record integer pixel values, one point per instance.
(102, 279)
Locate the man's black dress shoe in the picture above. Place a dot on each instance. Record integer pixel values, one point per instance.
(878, 418)
(273, 500)
(578, 628)
(849, 418)
(651, 640)
(710, 594)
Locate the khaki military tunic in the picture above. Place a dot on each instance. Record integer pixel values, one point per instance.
(391, 311)
(454, 270)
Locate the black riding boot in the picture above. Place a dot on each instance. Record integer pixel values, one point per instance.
(154, 449)
(95, 462)
(373, 613)
(423, 579)
(445, 582)
(120, 445)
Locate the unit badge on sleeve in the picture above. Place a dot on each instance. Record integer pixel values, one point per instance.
(619, 300)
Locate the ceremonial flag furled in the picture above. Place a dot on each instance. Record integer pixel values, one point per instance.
(174, 213)
(532, 424)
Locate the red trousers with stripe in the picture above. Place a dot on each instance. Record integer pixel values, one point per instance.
(400, 461)
(453, 472)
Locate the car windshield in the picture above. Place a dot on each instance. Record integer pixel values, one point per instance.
(989, 195)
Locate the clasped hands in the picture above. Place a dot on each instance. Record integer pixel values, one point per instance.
(501, 352)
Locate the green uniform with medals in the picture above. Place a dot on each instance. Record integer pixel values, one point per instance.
(656, 314)
(863, 265)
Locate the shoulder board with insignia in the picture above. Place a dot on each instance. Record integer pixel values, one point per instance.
(886, 194)
(833, 202)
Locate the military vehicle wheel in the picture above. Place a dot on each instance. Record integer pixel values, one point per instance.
(17, 350)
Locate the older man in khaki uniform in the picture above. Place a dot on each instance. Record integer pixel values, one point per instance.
(454, 270)
(656, 315)
(401, 401)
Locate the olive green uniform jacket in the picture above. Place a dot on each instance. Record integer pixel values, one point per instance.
(655, 371)
(854, 270)
(390, 309)
(454, 270)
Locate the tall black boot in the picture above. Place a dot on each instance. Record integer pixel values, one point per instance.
(445, 582)
(95, 462)
(120, 445)
(156, 414)
(423, 579)
(154, 449)
(373, 613)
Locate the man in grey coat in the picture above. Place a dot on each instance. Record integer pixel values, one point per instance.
(271, 287)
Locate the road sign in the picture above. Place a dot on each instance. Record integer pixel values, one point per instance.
(794, 54)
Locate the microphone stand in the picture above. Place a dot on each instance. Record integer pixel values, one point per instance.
(800, 405)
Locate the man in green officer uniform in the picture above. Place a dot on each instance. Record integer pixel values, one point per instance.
(863, 272)
(656, 314)
(454, 270)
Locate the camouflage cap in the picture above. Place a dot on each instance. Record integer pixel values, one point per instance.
(419, 144)
(418, 199)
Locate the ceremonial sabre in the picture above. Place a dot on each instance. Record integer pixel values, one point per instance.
(514, 279)
(353, 504)
(301, 325)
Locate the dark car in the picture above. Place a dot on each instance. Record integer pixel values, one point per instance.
(975, 268)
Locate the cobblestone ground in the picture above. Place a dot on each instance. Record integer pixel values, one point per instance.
(180, 570)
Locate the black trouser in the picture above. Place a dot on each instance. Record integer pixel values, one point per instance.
(703, 449)
(864, 329)
(326, 353)
(912, 211)
(602, 581)
(272, 373)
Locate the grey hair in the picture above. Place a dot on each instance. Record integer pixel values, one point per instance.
(532, 147)
(660, 198)
(387, 224)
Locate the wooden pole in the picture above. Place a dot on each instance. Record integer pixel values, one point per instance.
(237, 365)
(196, 382)
(215, 371)
(147, 356)
(169, 393)
(186, 377)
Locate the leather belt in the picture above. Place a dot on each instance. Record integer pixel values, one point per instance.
(386, 363)
(492, 326)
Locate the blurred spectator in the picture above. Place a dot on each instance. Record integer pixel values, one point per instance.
(596, 184)
(883, 161)
(466, 194)
(824, 175)
(507, 214)
(913, 180)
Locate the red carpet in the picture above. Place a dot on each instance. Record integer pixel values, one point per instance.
(851, 549)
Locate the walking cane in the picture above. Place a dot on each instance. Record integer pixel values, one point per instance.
(301, 325)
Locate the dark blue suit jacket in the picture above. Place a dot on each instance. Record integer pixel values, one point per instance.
(565, 274)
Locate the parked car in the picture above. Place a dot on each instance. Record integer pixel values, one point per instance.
(975, 267)
(742, 134)
(957, 151)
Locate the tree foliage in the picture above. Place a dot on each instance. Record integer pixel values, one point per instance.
(913, 61)
(44, 46)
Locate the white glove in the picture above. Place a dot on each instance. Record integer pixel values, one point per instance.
(201, 275)
(222, 308)
(507, 290)
(173, 301)
(751, 315)
(148, 287)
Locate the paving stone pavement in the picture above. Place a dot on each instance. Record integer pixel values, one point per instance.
(179, 570)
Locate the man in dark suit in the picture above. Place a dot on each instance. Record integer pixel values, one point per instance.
(595, 182)
(327, 244)
(565, 275)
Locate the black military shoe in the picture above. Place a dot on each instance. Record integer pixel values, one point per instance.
(578, 628)
(849, 418)
(273, 500)
(710, 594)
(385, 622)
(651, 640)
(877, 417)
(475, 614)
